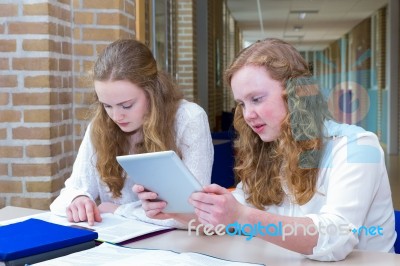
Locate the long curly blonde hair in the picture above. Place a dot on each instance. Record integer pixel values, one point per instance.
(292, 160)
(133, 61)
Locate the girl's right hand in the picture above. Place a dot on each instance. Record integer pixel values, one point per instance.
(152, 207)
(83, 209)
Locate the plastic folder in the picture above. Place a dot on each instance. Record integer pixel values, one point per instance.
(34, 236)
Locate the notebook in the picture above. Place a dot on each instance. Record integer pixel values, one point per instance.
(34, 236)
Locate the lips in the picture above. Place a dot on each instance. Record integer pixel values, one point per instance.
(258, 128)
(123, 124)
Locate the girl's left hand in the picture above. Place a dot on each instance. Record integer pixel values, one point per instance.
(216, 205)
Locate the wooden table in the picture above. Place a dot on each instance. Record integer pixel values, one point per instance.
(233, 247)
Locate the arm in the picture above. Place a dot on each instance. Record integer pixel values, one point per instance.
(76, 199)
(195, 143)
(216, 205)
(355, 167)
(350, 181)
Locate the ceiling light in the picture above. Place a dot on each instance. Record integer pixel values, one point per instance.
(308, 11)
(297, 28)
(302, 15)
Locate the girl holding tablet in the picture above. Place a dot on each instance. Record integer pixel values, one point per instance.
(324, 181)
(137, 109)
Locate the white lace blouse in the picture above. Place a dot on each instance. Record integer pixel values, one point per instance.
(193, 139)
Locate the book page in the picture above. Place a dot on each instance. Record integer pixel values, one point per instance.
(113, 228)
(107, 254)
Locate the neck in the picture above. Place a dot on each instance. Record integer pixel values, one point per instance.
(135, 138)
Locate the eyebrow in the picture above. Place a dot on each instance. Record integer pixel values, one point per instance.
(121, 103)
(247, 96)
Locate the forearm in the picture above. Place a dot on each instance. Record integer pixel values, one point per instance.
(298, 234)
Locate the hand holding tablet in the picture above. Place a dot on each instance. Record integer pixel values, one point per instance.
(165, 174)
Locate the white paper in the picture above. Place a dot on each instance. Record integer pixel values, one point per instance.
(109, 255)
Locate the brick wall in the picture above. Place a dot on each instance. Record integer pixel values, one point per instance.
(35, 111)
(215, 62)
(186, 48)
(46, 51)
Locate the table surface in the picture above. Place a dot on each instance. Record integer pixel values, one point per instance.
(235, 248)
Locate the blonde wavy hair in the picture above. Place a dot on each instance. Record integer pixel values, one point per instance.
(292, 160)
(133, 61)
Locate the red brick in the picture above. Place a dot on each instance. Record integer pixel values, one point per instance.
(8, 10)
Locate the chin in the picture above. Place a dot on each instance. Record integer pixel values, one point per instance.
(126, 130)
(132, 131)
(268, 138)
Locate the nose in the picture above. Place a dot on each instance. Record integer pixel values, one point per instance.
(117, 114)
(249, 113)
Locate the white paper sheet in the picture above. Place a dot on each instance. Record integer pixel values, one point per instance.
(109, 255)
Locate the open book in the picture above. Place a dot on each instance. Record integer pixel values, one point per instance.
(107, 254)
(113, 228)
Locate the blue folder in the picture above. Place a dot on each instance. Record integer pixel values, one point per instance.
(34, 236)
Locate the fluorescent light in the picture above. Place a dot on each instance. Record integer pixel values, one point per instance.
(297, 28)
(302, 15)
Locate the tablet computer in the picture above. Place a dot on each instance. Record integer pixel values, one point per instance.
(165, 174)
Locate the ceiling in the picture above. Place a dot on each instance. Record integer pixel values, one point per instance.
(324, 20)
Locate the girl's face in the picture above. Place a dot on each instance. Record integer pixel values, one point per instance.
(260, 98)
(125, 103)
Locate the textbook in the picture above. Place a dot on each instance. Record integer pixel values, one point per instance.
(35, 240)
(113, 228)
(124, 256)
(49, 254)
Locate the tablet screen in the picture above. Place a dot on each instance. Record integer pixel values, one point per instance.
(165, 174)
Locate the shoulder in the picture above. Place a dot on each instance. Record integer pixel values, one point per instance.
(352, 132)
(189, 110)
(88, 131)
(89, 127)
(358, 144)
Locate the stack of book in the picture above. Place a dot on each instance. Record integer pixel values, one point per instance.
(33, 240)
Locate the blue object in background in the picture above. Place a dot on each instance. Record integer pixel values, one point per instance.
(222, 170)
(226, 121)
(397, 227)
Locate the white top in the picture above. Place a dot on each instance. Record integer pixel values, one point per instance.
(193, 139)
(352, 191)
